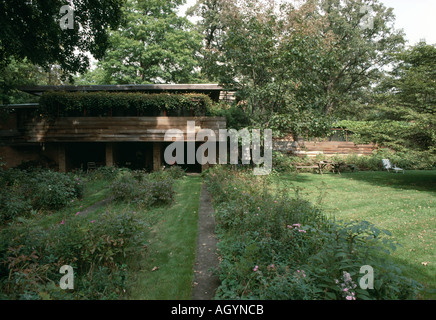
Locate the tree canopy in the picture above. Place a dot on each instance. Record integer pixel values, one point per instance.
(153, 45)
(31, 30)
(296, 65)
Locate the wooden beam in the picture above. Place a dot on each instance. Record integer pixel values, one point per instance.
(157, 156)
(109, 155)
(114, 129)
(62, 158)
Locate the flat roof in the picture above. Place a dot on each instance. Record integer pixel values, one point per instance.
(200, 88)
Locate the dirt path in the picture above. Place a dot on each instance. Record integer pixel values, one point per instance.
(205, 282)
(94, 206)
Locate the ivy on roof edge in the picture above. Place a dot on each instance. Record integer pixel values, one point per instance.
(55, 103)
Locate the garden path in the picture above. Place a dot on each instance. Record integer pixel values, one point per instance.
(205, 281)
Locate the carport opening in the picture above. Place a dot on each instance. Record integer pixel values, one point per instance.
(80, 155)
(134, 155)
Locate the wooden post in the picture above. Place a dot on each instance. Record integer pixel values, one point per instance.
(157, 156)
(62, 158)
(109, 154)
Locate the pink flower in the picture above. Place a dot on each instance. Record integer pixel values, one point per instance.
(350, 298)
(296, 225)
(255, 268)
(92, 221)
(77, 213)
(62, 222)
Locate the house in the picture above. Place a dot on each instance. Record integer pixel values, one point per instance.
(67, 138)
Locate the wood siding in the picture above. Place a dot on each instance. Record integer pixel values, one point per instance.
(340, 147)
(328, 148)
(114, 129)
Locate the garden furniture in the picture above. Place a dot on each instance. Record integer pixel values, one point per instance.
(387, 165)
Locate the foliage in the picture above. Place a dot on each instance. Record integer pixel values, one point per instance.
(106, 173)
(408, 139)
(53, 104)
(292, 66)
(30, 257)
(146, 190)
(236, 117)
(407, 160)
(405, 104)
(154, 44)
(22, 191)
(175, 172)
(275, 246)
(31, 29)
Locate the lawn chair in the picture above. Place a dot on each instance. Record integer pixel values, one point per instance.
(90, 166)
(387, 165)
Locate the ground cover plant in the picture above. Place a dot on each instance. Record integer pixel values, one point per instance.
(275, 245)
(401, 203)
(100, 242)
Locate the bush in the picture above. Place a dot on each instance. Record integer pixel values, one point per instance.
(175, 172)
(30, 257)
(13, 204)
(146, 190)
(105, 173)
(125, 188)
(53, 190)
(275, 246)
(21, 191)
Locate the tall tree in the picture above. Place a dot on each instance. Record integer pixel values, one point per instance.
(32, 30)
(294, 64)
(265, 52)
(365, 43)
(153, 45)
(23, 73)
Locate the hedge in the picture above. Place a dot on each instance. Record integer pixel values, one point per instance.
(60, 103)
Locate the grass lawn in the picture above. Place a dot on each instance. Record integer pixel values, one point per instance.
(404, 204)
(166, 272)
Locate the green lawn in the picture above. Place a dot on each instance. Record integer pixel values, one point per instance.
(166, 272)
(401, 203)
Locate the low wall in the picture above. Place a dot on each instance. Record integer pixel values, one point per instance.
(328, 148)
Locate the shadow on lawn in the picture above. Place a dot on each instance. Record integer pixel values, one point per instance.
(421, 180)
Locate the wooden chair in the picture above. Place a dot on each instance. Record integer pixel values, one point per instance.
(90, 166)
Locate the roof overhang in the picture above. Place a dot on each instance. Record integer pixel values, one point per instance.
(213, 90)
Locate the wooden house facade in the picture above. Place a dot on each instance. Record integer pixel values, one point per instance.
(69, 143)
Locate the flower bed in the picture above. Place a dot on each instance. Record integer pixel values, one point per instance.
(275, 246)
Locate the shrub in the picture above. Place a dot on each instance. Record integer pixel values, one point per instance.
(30, 257)
(105, 173)
(125, 188)
(146, 190)
(275, 246)
(22, 191)
(175, 172)
(53, 190)
(13, 204)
